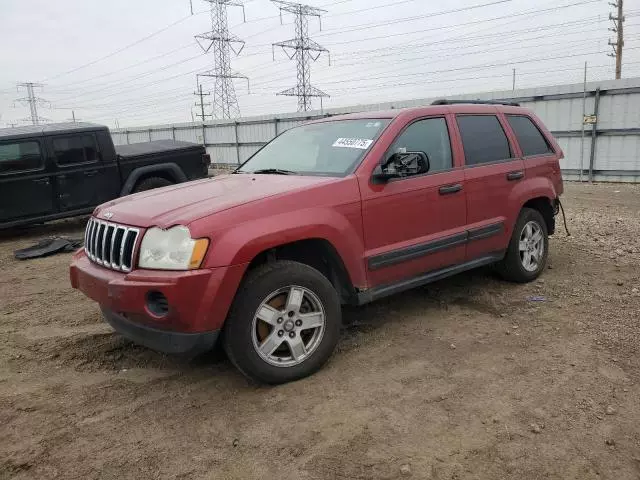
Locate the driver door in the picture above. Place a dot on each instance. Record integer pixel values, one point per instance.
(416, 223)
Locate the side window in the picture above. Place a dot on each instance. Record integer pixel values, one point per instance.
(75, 149)
(430, 136)
(20, 156)
(531, 141)
(483, 139)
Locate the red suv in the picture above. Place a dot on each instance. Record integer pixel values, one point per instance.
(343, 210)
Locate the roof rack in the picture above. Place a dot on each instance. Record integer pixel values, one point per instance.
(474, 102)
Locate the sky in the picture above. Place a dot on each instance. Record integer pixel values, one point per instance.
(134, 63)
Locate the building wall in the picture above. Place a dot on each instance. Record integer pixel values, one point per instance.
(609, 150)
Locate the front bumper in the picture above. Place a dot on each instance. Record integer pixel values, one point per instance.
(161, 340)
(198, 302)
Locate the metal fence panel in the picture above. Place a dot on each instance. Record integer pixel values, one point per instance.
(619, 111)
(256, 132)
(246, 151)
(193, 134)
(163, 134)
(571, 148)
(139, 136)
(220, 134)
(618, 153)
(222, 154)
(119, 138)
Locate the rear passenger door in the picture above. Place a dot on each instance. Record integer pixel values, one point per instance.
(81, 175)
(26, 189)
(492, 171)
(540, 160)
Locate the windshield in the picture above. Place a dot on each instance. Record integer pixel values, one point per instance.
(327, 148)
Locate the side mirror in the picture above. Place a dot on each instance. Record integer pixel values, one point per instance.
(401, 165)
(381, 175)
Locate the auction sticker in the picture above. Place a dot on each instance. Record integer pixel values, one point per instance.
(361, 143)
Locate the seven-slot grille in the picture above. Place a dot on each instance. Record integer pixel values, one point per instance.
(110, 244)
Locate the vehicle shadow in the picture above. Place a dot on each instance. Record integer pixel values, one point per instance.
(458, 290)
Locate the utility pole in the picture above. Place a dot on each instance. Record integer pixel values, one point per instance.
(513, 84)
(584, 112)
(73, 117)
(32, 100)
(225, 102)
(304, 50)
(618, 22)
(201, 104)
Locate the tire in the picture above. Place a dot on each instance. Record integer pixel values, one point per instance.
(515, 266)
(269, 291)
(151, 183)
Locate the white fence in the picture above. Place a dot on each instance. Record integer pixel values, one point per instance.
(610, 147)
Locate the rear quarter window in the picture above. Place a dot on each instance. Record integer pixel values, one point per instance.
(531, 140)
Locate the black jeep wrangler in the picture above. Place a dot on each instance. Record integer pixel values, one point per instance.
(60, 170)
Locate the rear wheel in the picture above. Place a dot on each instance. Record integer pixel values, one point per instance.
(528, 248)
(151, 183)
(284, 323)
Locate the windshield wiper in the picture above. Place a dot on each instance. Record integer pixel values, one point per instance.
(275, 171)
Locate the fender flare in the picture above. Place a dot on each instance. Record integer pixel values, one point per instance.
(171, 168)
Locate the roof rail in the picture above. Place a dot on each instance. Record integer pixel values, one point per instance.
(474, 102)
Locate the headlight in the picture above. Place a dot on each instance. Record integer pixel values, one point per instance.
(171, 249)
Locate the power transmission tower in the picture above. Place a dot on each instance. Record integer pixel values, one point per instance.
(618, 21)
(33, 101)
(303, 49)
(199, 93)
(225, 102)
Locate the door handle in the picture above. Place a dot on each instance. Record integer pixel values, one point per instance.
(515, 175)
(41, 181)
(450, 189)
(90, 173)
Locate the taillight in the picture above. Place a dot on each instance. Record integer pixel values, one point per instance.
(206, 159)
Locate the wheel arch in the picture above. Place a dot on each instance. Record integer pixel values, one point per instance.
(318, 253)
(544, 205)
(169, 171)
(539, 194)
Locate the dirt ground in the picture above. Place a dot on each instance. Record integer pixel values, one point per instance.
(468, 378)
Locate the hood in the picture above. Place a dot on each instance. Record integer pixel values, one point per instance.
(186, 202)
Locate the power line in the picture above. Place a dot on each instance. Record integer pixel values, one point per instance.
(367, 26)
(137, 64)
(122, 49)
(379, 57)
(304, 50)
(476, 67)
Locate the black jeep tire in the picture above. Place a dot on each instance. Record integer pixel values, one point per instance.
(240, 336)
(513, 266)
(151, 183)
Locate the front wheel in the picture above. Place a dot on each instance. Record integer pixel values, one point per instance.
(284, 323)
(528, 248)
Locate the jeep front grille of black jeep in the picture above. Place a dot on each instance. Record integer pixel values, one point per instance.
(110, 245)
